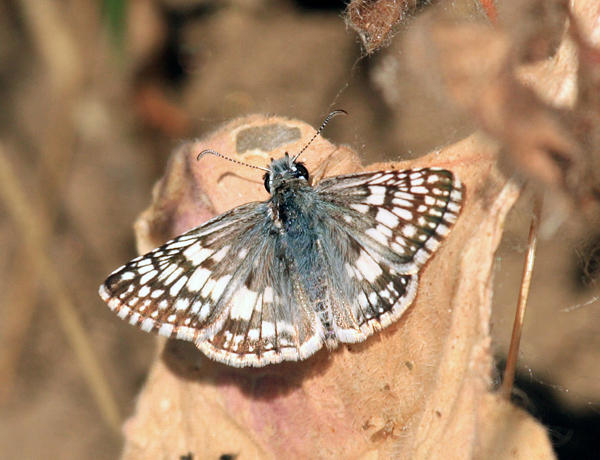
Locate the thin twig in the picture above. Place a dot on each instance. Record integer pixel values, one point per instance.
(513, 351)
(581, 305)
(55, 44)
(27, 221)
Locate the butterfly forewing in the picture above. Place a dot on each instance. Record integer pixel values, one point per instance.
(401, 216)
(177, 289)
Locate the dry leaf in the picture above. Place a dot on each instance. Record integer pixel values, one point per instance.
(530, 108)
(374, 20)
(419, 389)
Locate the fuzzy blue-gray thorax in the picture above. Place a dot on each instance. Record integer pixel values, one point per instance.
(291, 196)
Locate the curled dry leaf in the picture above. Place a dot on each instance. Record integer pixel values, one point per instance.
(418, 389)
(374, 20)
(535, 27)
(531, 109)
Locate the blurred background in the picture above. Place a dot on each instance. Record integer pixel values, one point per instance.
(96, 94)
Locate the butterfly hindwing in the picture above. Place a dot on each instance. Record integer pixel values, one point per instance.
(268, 321)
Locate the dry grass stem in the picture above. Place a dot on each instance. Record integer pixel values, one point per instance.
(513, 351)
(27, 222)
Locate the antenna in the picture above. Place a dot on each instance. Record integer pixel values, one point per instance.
(321, 128)
(214, 152)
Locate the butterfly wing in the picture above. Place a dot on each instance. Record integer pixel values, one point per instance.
(226, 286)
(383, 227)
(235, 288)
(269, 320)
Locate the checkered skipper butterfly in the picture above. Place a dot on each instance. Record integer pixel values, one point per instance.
(276, 280)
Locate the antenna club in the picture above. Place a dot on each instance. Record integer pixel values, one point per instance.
(204, 152)
(217, 154)
(332, 114)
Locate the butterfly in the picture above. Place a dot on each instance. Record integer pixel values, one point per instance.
(313, 266)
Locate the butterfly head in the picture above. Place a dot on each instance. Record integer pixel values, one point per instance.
(283, 171)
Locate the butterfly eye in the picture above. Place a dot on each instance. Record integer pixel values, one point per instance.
(267, 179)
(301, 171)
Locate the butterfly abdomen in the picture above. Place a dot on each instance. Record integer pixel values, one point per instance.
(295, 214)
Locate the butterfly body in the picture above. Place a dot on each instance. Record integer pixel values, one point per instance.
(273, 281)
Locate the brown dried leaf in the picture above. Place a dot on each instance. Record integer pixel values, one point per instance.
(419, 389)
(374, 20)
(479, 69)
(474, 63)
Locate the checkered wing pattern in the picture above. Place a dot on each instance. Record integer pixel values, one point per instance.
(387, 225)
(179, 289)
(275, 281)
(224, 286)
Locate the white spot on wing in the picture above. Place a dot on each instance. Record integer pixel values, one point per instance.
(375, 200)
(133, 319)
(144, 269)
(377, 190)
(349, 270)
(268, 295)
(362, 208)
(402, 202)
(196, 254)
(220, 286)
(409, 230)
(453, 207)
(174, 275)
(368, 267)
(387, 218)
(380, 180)
(403, 213)
(177, 286)
(377, 236)
(126, 276)
(157, 293)
(166, 271)
(268, 329)
(218, 257)
(242, 304)
(180, 243)
(373, 299)
(166, 330)
(362, 300)
(198, 279)
(253, 334)
(147, 325)
(148, 276)
(185, 333)
(182, 304)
